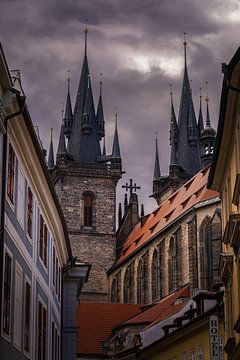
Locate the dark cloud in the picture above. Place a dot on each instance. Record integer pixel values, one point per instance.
(138, 47)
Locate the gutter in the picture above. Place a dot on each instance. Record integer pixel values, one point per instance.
(3, 192)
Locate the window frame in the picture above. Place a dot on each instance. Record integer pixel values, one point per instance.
(25, 351)
(18, 314)
(7, 336)
(87, 211)
(21, 194)
(29, 213)
(11, 175)
(44, 334)
(43, 241)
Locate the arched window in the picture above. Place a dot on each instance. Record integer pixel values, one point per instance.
(88, 210)
(128, 284)
(206, 254)
(155, 276)
(142, 280)
(171, 264)
(115, 288)
(161, 267)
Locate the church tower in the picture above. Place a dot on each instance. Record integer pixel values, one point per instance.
(185, 156)
(85, 179)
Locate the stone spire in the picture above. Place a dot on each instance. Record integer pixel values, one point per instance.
(200, 117)
(116, 147)
(100, 115)
(61, 144)
(157, 172)
(188, 153)
(104, 148)
(51, 154)
(68, 116)
(173, 133)
(84, 145)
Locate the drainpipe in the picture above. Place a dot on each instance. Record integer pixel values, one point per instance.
(3, 192)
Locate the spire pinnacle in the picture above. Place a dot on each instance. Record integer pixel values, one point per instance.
(200, 117)
(208, 122)
(157, 172)
(104, 148)
(100, 83)
(85, 29)
(116, 147)
(185, 48)
(68, 80)
(51, 154)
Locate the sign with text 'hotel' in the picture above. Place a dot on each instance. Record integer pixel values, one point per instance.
(213, 334)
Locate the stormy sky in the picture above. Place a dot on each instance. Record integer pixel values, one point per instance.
(137, 45)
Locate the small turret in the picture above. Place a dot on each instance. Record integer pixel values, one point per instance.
(116, 161)
(100, 115)
(87, 120)
(61, 151)
(68, 116)
(51, 154)
(173, 134)
(208, 136)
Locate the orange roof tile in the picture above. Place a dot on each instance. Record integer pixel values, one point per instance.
(95, 322)
(160, 310)
(190, 194)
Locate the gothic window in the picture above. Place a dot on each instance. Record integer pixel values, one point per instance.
(11, 171)
(128, 284)
(88, 210)
(206, 254)
(142, 280)
(155, 276)
(115, 288)
(171, 264)
(192, 252)
(161, 268)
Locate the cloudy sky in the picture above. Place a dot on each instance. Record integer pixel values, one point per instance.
(137, 45)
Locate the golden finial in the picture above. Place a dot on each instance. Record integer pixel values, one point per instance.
(85, 29)
(184, 39)
(116, 115)
(206, 97)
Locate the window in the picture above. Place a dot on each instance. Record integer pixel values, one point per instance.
(115, 288)
(7, 294)
(155, 276)
(27, 317)
(200, 353)
(128, 284)
(29, 211)
(43, 241)
(55, 343)
(11, 171)
(206, 254)
(87, 210)
(171, 264)
(17, 329)
(54, 269)
(184, 356)
(20, 196)
(42, 317)
(142, 280)
(192, 355)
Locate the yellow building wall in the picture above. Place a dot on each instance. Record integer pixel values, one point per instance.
(188, 341)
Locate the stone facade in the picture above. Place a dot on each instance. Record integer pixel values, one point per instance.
(94, 244)
(174, 257)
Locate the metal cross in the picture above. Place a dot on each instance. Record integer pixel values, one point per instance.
(132, 187)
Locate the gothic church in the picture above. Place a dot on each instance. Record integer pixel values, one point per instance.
(150, 255)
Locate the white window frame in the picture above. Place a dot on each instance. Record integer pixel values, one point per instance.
(40, 300)
(21, 196)
(28, 281)
(4, 335)
(17, 342)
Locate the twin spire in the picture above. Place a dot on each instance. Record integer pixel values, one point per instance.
(83, 128)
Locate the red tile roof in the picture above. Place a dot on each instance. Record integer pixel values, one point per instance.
(95, 322)
(190, 194)
(160, 310)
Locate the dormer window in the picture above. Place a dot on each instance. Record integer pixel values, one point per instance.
(88, 210)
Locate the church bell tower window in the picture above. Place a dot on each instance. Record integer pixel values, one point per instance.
(88, 205)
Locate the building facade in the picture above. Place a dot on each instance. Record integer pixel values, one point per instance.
(36, 260)
(224, 177)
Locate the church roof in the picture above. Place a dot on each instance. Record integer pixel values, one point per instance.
(95, 322)
(178, 204)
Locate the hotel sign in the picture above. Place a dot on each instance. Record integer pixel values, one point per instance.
(213, 334)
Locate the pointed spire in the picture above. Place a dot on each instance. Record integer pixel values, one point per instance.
(100, 115)
(157, 172)
(116, 147)
(142, 210)
(68, 116)
(125, 203)
(208, 122)
(185, 50)
(200, 117)
(61, 144)
(85, 32)
(173, 132)
(51, 154)
(119, 214)
(104, 148)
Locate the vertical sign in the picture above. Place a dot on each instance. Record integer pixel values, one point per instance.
(213, 334)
